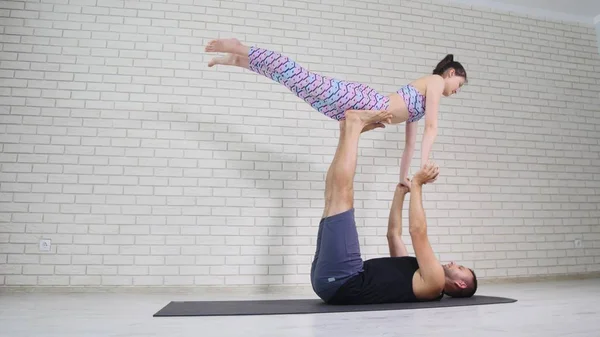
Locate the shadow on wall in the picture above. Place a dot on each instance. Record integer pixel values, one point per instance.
(271, 180)
(280, 172)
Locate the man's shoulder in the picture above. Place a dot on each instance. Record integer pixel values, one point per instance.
(425, 290)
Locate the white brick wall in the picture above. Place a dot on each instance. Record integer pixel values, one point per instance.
(144, 167)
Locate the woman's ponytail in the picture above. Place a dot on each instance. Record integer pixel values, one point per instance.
(443, 65)
(449, 63)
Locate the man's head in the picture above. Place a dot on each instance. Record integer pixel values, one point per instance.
(460, 281)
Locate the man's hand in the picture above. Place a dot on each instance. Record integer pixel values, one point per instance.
(427, 174)
(404, 187)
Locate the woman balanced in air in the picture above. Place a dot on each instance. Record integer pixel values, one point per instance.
(333, 97)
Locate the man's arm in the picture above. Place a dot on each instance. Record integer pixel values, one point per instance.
(394, 233)
(430, 270)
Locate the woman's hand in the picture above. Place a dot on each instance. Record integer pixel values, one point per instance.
(404, 184)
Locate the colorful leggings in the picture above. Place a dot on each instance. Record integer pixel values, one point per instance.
(329, 96)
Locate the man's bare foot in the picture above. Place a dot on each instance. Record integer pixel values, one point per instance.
(229, 60)
(372, 126)
(233, 46)
(366, 117)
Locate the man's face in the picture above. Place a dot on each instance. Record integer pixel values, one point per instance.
(457, 272)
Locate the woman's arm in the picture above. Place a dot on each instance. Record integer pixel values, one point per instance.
(409, 149)
(432, 102)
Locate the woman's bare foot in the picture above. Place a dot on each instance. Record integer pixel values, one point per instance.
(233, 46)
(229, 60)
(366, 117)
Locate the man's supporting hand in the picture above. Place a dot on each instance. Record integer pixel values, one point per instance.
(427, 174)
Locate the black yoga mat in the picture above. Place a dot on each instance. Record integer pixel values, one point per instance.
(307, 306)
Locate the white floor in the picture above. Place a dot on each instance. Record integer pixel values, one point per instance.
(544, 309)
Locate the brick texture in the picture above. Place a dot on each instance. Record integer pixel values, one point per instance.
(146, 168)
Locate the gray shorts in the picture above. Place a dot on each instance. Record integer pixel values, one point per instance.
(337, 257)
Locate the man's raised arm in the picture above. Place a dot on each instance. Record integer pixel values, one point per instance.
(430, 270)
(394, 232)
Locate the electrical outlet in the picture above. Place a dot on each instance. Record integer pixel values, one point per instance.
(45, 245)
(578, 243)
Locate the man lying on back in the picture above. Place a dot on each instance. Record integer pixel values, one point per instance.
(338, 273)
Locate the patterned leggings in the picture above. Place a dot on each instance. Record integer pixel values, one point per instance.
(329, 96)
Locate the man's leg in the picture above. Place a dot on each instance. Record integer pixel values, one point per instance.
(337, 256)
(339, 184)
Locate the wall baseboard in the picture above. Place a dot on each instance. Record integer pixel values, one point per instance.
(256, 290)
(541, 278)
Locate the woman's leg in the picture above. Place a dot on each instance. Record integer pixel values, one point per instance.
(331, 97)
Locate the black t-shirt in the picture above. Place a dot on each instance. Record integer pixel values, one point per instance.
(384, 280)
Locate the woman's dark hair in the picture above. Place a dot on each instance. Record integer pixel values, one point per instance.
(448, 63)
